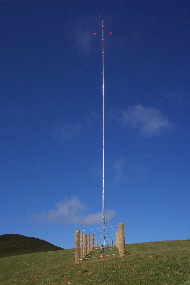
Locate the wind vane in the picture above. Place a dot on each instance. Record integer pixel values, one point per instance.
(103, 200)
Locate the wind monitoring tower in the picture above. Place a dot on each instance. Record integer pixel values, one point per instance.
(103, 148)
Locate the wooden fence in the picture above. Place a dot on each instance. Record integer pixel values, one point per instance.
(84, 243)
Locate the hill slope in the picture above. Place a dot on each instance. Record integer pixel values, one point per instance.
(159, 263)
(15, 244)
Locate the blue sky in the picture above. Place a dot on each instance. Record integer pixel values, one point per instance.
(51, 118)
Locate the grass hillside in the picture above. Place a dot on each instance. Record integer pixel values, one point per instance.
(159, 263)
(14, 244)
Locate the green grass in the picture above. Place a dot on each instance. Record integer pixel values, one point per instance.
(166, 262)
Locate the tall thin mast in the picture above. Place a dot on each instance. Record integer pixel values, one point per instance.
(103, 148)
(103, 201)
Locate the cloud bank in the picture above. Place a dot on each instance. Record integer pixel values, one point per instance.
(149, 121)
(72, 211)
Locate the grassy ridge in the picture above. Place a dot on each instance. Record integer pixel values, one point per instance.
(166, 262)
(14, 244)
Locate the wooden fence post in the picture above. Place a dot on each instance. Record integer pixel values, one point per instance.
(117, 239)
(89, 243)
(77, 245)
(86, 244)
(82, 245)
(121, 240)
(92, 242)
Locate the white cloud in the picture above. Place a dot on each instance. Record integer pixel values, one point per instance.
(67, 210)
(83, 39)
(72, 211)
(179, 97)
(66, 131)
(97, 217)
(119, 166)
(82, 33)
(149, 121)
